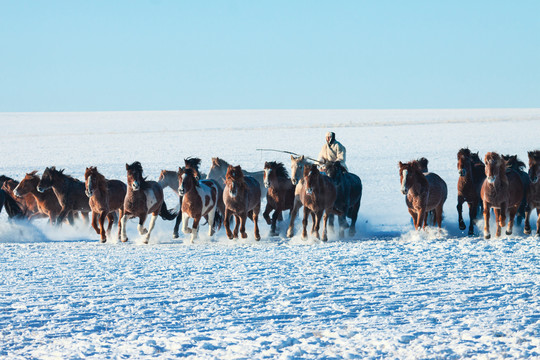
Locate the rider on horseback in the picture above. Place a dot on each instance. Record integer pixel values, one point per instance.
(332, 150)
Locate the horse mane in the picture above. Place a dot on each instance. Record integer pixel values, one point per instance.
(240, 175)
(279, 168)
(4, 178)
(61, 173)
(193, 163)
(190, 172)
(512, 162)
(535, 155)
(136, 166)
(101, 181)
(464, 152)
(219, 162)
(423, 164)
(313, 169)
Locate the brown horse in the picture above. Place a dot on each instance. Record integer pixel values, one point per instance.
(298, 164)
(218, 172)
(533, 195)
(471, 177)
(512, 162)
(47, 201)
(68, 190)
(318, 199)
(424, 192)
(106, 197)
(280, 195)
(27, 203)
(200, 198)
(242, 198)
(143, 197)
(502, 190)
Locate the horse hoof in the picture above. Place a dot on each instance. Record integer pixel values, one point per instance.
(290, 233)
(508, 232)
(527, 231)
(257, 237)
(244, 235)
(103, 240)
(175, 236)
(462, 226)
(487, 236)
(471, 232)
(124, 240)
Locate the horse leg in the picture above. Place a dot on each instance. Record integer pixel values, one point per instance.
(487, 209)
(275, 217)
(438, 215)
(538, 222)
(236, 225)
(211, 217)
(293, 213)
(511, 214)
(414, 217)
(325, 223)
(227, 223)
(102, 217)
(313, 221)
(140, 227)
(527, 226)
(354, 216)
(304, 222)
(342, 224)
(256, 221)
(318, 218)
(266, 213)
(195, 228)
(459, 207)
(185, 219)
(498, 221)
(120, 217)
(151, 226)
(177, 224)
(243, 219)
(95, 222)
(124, 237)
(422, 219)
(331, 222)
(473, 209)
(110, 217)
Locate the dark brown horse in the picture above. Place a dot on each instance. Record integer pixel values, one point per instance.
(68, 190)
(424, 192)
(471, 177)
(503, 191)
(200, 198)
(106, 197)
(143, 197)
(318, 200)
(280, 193)
(27, 203)
(242, 198)
(533, 194)
(47, 201)
(512, 162)
(348, 197)
(6, 200)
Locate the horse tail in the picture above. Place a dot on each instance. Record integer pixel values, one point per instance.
(218, 220)
(12, 208)
(166, 214)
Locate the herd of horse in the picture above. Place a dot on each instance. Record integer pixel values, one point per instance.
(499, 183)
(228, 192)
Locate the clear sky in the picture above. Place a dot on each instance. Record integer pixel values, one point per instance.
(255, 54)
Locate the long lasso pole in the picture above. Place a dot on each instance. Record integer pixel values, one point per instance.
(289, 152)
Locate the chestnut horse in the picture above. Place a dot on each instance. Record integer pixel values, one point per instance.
(200, 198)
(349, 195)
(280, 194)
(424, 192)
(502, 190)
(242, 198)
(512, 162)
(27, 203)
(47, 201)
(106, 197)
(143, 197)
(68, 190)
(471, 177)
(298, 164)
(318, 199)
(219, 170)
(533, 195)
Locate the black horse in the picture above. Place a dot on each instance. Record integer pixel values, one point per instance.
(13, 209)
(349, 195)
(513, 163)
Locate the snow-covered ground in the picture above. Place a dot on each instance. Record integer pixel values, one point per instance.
(388, 293)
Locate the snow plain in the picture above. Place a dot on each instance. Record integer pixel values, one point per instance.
(388, 293)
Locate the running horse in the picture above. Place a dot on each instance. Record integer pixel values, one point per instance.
(242, 198)
(143, 197)
(105, 198)
(280, 194)
(502, 190)
(68, 190)
(471, 177)
(218, 171)
(512, 162)
(200, 198)
(47, 201)
(12, 207)
(318, 200)
(298, 164)
(423, 192)
(533, 195)
(27, 203)
(348, 197)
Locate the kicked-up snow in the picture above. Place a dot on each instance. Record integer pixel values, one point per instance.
(390, 292)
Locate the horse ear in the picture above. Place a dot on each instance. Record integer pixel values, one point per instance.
(33, 173)
(127, 167)
(230, 167)
(400, 165)
(301, 158)
(179, 169)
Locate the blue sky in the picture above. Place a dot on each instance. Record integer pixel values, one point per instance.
(182, 55)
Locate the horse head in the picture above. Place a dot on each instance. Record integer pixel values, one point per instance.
(407, 173)
(234, 179)
(194, 164)
(186, 180)
(48, 179)
(297, 168)
(91, 180)
(27, 184)
(534, 165)
(464, 163)
(311, 177)
(135, 178)
(267, 173)
(495, 166)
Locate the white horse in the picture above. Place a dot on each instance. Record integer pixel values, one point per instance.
(219, 170)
